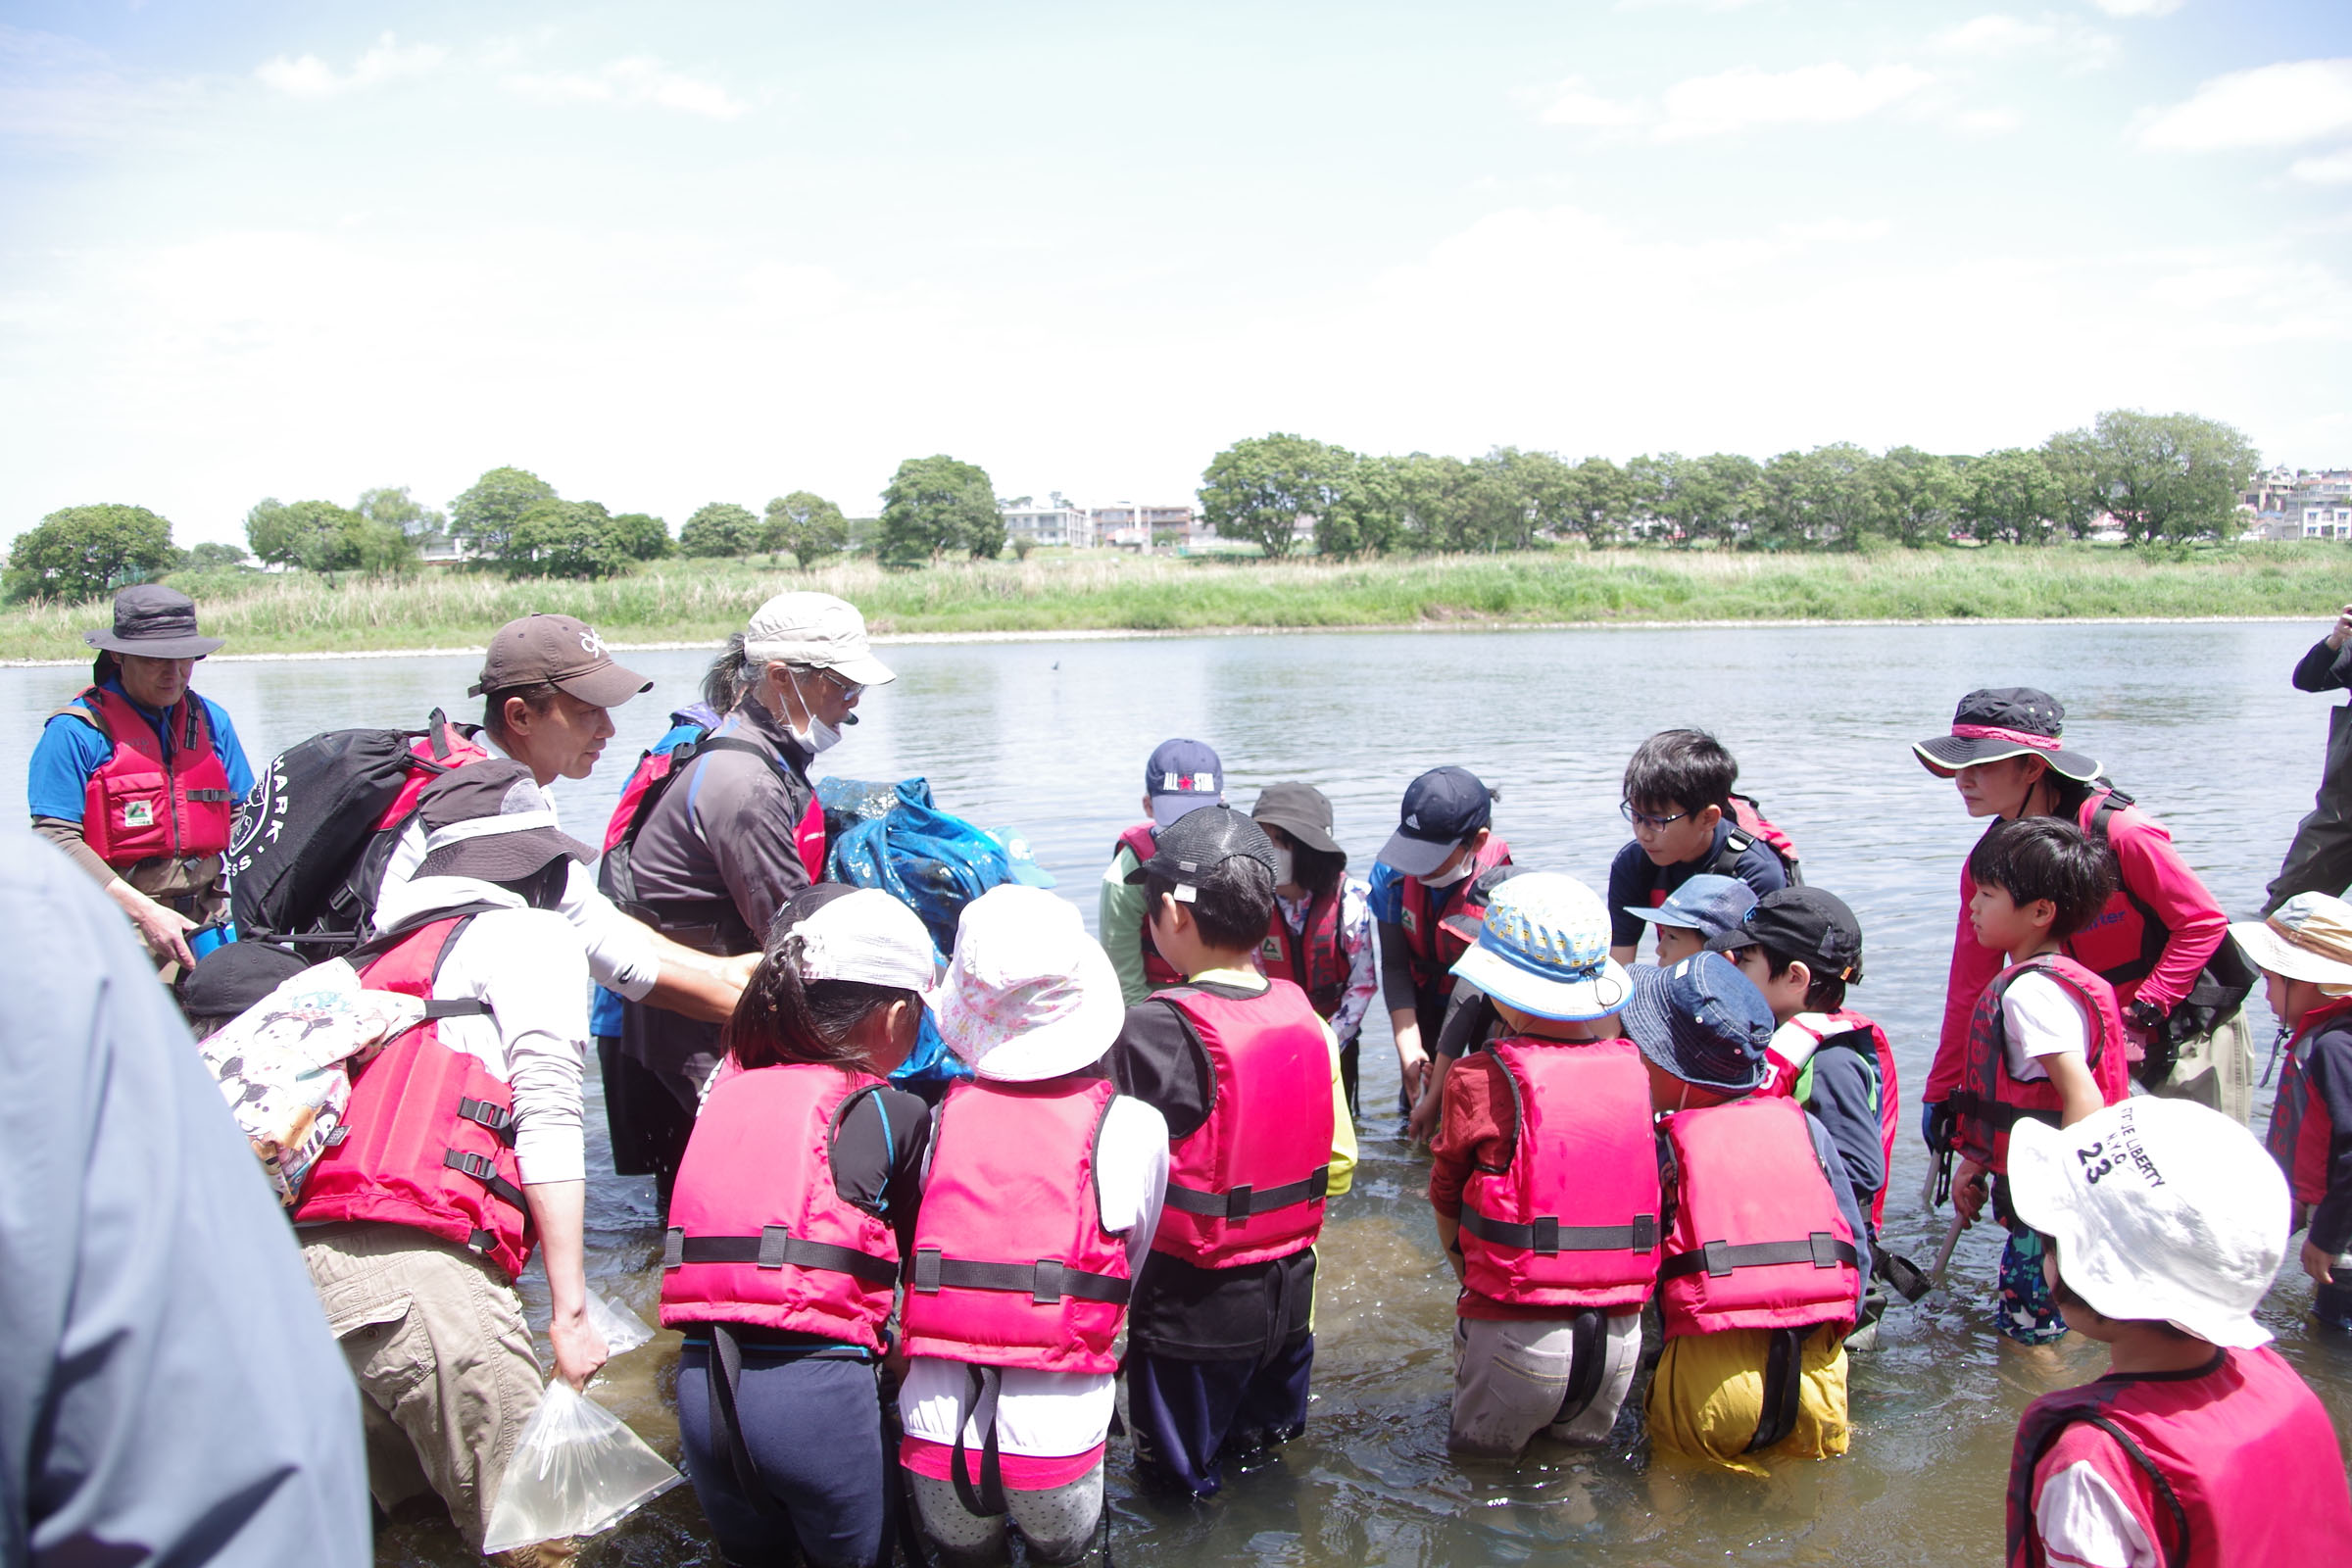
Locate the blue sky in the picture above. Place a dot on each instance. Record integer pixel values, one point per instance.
(718, 250)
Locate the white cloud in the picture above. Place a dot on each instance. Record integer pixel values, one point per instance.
(2336, 169)
(2138, 8)
(1994, 122)
(1739, 99)
(2270, 105)
(1994, 35)
(1573, 105)
(386, 60)
(639, 79)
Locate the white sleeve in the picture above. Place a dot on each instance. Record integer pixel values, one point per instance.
(2041, 1018)
(1134, 1177)
(408, 854)
(537, 990)
(2084, 1523)
(621, 950)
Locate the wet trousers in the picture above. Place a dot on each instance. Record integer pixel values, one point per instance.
(1513, 1378)
(1058, 1522)
(813, 1428)
(1189, 1417)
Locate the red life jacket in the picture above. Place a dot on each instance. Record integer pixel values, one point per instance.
(1142, 841)
(1573, 1220)
(1990, 1101)
(1749, 825)
(1314, 960)
(651, 767)
(1012, 1265)
(1846, 1028)
(1434, 942)
(759, 1233)
(452, 748)
(1758, 1241)
(650, 781)
(2242, 1460)
(2301, 1130)
(430, 1133)
(138, 804)
(1248, 1184)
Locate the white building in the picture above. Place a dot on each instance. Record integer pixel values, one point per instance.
(1056, 525)
(2328, 523)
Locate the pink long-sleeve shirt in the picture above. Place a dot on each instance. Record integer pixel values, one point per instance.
(2151, 868)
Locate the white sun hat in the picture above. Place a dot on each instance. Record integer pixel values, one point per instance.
(1029, 995)
(818, 630)
(2309, 936)
(1543, 949)
(2162, 1210)
(867, 936)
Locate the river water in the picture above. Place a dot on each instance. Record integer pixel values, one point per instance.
(2197, 720)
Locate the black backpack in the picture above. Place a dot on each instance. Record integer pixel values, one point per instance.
(308, 855)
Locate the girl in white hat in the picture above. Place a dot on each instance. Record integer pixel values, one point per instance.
(1040, 1199)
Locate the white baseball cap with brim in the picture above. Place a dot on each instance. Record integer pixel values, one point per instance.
(1029, 996)
(869, 937)
(1543, 949)
(2162, 1212)
(817, 631)
(2309, 936)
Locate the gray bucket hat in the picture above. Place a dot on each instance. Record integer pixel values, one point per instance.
(153, 621)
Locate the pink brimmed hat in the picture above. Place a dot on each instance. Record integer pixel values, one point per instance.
(2001, 722)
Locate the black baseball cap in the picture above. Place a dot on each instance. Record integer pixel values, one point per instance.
(1299, 810)
(1441, 808)
(1999, 722)
(1191, 848)
(1808, 924)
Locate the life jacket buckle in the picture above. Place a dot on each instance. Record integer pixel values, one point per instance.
(775, 1244)
(1718, 1257)
(1825, 1249)
(1237, 1202)
(1046, 1289)
(482, 1167)
(926, 1270)
(1646, 1233)
(1544, 1236)
(673, 1247)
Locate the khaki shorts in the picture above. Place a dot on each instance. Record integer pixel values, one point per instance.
(436, 1340)
(1511, 1375)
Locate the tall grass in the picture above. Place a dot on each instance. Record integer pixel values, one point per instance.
(701, 601)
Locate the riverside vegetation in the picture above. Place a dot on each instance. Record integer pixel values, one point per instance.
(701, 601)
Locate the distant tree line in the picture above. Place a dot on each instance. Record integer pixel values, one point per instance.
(2171, 476)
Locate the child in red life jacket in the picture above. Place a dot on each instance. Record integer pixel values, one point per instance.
(1678, 797)
(1220, 1332)
(1544, 1179)
(1040, 1201)
(1801, 948)
(1429, 874)
(792, 1212)
(2045, 1043)
(1181, 776)
(2305, 952)
(1765, 1246)
(2201, 1447)
(1321, 939)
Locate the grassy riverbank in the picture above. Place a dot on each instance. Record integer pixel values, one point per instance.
(694, 600)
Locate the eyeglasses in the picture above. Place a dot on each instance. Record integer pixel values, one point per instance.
(1639, 820)
(847, 688)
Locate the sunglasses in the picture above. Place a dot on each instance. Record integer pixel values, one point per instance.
(1625, 808)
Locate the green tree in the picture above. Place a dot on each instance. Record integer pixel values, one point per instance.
(1822, 498)
(1654, 493)
(488, 512)
(564, 539)
(83, 551)
(2010, 496)
(936, 506)
(2170, 475)
(1259, 487)
(320, 536)
(642, 537)
(1914, 496)
(1597, 500)
(721, 528)
(1368, 517)
(393, 506)
(1717, 496)
(2079, 499)
(214, 556)
(807, 527)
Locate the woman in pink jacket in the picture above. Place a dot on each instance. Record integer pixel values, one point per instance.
(2153, 939)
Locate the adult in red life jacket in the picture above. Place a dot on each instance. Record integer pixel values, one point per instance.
(1766, 1250)
(1180, 776)
(737, 829)
(464, 1153)
(1220, 1327)
(2152, 939)
(1321, 939)
(1544, 1179)
(137, 778)
(792, 1218)
(1039, 1201)
(1687, 822)
(1424, 878)
(2305, 952)
(2044, 1044)
(2200, 1447)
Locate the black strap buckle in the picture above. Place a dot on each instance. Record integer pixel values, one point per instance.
(1045, 1291)
(1544, 1237)
(673, 1247)
(483, 1241)
(1825, 1249)
(1718, 1255)
(1645, 1232)
(775, 1247)
(926, 1270)
(1237, 1202)
(482, 1167)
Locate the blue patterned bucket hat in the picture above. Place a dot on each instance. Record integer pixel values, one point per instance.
(1543, 949)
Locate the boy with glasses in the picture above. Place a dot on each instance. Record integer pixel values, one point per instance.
(1678, 797)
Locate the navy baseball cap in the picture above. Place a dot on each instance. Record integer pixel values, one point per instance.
(1706, 903)
(1441, 808)
(1703, 1021)
(1811, 924)
(1182, 776)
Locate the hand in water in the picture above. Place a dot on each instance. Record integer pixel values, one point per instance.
(2319, 1263)
(1422, 1124)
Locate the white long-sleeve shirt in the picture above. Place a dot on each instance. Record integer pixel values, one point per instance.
(527, 966)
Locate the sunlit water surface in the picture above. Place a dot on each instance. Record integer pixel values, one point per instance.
(2197, 720)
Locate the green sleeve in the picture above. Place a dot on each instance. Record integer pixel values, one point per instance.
(1119, 918)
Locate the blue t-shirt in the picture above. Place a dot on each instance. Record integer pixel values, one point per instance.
(1633, 877)
(69, 751)
(1386, 901)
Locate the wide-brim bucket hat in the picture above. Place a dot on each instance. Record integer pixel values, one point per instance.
(1028, 995)
(153, 621)
(2309, 936)
(1543, 949)
(1995, 723)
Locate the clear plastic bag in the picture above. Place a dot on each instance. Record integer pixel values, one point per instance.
(622, 1330)
(577, 1470)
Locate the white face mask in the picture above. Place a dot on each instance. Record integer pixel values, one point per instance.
(1449, 878)
(819, 736)
(1284, 868)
